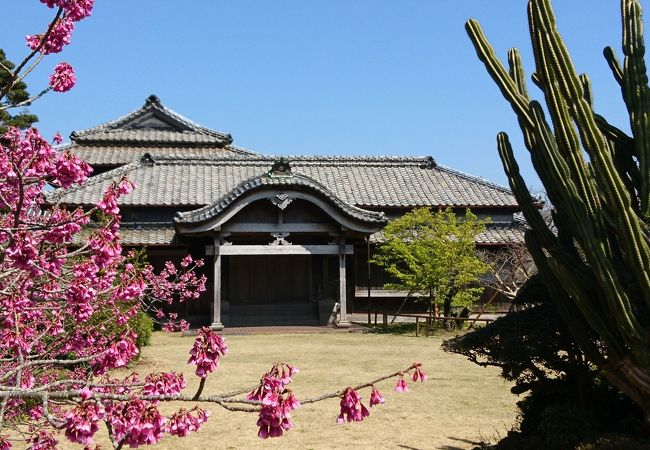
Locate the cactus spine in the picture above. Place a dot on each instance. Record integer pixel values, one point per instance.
(597, 260)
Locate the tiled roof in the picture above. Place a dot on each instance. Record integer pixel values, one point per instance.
(369, 182)
(152, 128)
(138, 233)
(115, 155)
(285, 181)
(494, 234)
(501, 234)
(363, 182)
(147, 234)
(151, 125)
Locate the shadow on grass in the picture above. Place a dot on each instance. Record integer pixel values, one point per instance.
(405, 329)
(465, 441)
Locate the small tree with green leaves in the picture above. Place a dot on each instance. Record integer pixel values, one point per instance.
(434, 254)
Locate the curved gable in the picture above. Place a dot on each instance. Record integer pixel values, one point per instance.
(280, 190)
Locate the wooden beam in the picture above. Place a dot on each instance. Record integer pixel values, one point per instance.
(243, 250)
(279, 227)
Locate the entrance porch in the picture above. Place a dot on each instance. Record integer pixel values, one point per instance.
(281, 250)
(256, 285)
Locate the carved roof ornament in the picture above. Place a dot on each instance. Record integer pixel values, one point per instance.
(280, 239)
(153, 99)
(281, 168)
(429, 163)
(281, 200)
(147, 159)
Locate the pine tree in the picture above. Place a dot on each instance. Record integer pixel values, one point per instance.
(16, 95)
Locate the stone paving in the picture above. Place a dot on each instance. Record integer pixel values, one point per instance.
(284, 329)
(298, 329)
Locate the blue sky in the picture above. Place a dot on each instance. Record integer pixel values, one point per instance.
(329, 77)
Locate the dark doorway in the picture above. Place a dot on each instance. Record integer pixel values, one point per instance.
(270, 290)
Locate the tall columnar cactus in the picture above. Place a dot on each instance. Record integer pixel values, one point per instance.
(596, 258)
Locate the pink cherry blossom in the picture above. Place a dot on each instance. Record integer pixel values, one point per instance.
(77, 10)
(162, 383)
(185, 422)
(74, 9)
(57, 39)
(277, 401)
(4, 443)
(35, 413)
(82, 422)
(375, 397)
(86, 393)
(208, 348)
(138, 422)
(63, 78)
(418, 374)
(291, 402)
(118, 355)
(401, 385)
(352, 410)
(42, 441)
(70, 170)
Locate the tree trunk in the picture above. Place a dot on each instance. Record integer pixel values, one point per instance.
(632, 381)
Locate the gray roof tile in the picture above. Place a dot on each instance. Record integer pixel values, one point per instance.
(115, 155)
(147, 234)
(151, 124)
(363, 182)
(499, 234)
(138, 233)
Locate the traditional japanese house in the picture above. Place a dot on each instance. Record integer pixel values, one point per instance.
(282, 238)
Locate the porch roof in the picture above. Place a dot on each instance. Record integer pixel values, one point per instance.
(290, 182)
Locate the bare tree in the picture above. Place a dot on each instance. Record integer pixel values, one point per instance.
(510, 267)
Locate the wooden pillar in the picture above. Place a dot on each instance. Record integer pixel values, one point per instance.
(344, 321)
(216, 287)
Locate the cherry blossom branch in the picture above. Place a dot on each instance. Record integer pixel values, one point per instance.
(77, 394)
(46, 411)
(199, 390)
(224, 399)
(53, 362)
(3, 407)
(339, 393)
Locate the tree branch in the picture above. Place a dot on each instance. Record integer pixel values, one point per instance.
(357, 387)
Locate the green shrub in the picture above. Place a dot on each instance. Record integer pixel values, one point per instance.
(142, 324)
(563, 425)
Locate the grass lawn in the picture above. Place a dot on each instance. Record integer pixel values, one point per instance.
(459, 405)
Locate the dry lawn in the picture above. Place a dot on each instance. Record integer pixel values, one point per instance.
(459, 406)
